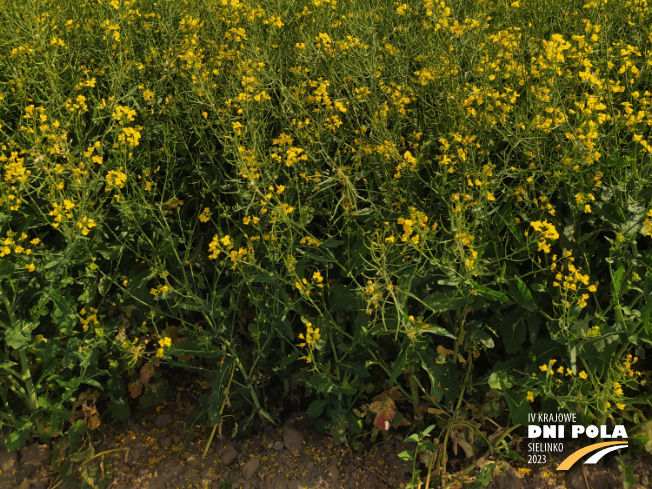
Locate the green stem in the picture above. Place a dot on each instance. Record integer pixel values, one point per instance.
(210, 438)
(32, 400)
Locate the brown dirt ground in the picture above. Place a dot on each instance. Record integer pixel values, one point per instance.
(155, 449)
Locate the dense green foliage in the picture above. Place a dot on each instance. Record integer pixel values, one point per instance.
(409, 214)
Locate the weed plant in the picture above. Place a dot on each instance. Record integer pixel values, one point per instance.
(408, 213)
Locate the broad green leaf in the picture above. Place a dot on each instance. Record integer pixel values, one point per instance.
(617, 281)
(398, 366)
(316, 408)
(120, 409)
(446, 301)
(19, 335)
(406, 455)
(490, 294)
(354, 368)
(512, 331)
(499, 381)
(438, 330)
(413, 438)
(519, 408)
(521, 294)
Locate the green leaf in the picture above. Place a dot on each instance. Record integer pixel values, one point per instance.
(617, 281)
(512, 331)
(446, 301)
(438, 330)
(627, 476)
(434, 372)
(289, 359)
(499, 381)
(316, 408)
(120, 409)
(19, 335)
(522, 295)
(354, 368)
(76, 431)
(23, 429)
(398, 366)
(137, 282)
(268, 278)
(344, 298)
(413, 438)
(196, 305)
(519, 408)
(490, 294)
(406, 455)
(315, 257)
(646, 431)
(538, 287)
(477, 334)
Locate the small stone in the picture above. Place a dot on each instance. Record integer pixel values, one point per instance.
(278, 445)
(332, 472)
(8, 461)
(229, 455)
(165, 442)
(193, 462)
(250, 468)
(176, 439)
(35, 454)
(38, 485)
(292, 439)
(162, 420)
(507, 480)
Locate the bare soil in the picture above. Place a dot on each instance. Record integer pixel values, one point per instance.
(156, 449)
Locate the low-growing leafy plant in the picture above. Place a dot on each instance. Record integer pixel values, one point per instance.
(399, 216)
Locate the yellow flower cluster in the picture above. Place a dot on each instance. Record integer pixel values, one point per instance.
(305, 287)
(408, 159)
(85, 321)
(161, 289)
(9, 242)
(310, 338)
(310, 241)
(91, 149)
(85, 225)
(249, 219)
(627, 367)
(206, 214)
(585, 200)
(122, 114)
(15, 171)
(647, 224)
(115, 179)
(418, 219)
(547, 232)
(548, 368)
(61, 210)
(163, 343)
(571, 281)
(129, 136)
(225, 245)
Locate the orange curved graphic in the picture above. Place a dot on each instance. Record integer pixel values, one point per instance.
(575, 456)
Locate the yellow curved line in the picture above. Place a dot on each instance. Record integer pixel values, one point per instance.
(575, 456)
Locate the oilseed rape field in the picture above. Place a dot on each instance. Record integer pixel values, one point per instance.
(430, 217)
